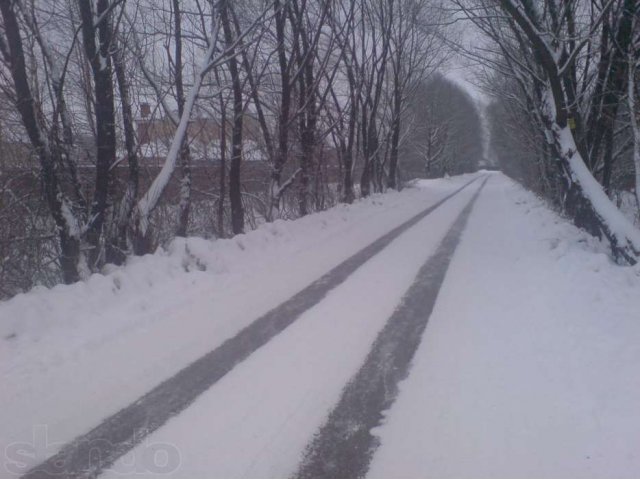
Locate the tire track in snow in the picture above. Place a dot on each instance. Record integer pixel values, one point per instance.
(344, 446)
(89, 454)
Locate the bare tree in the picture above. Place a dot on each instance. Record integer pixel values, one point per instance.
(416, 51)
(80, 225)
(313, 87)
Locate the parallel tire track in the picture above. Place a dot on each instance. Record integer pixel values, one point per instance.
(89, 454)
(344, 446)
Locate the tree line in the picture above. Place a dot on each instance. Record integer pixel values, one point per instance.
(329, 93)
(564, 76)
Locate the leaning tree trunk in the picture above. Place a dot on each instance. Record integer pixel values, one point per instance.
(588, 203)
(150, 199)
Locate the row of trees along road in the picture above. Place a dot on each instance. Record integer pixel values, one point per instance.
(564, 74)
(126, 123)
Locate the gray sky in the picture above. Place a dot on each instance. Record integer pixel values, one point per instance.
(460, 69)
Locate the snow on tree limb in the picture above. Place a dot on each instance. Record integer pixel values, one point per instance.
(148, 202)
(590, 200)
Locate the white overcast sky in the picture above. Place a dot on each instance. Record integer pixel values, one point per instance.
(460, 69)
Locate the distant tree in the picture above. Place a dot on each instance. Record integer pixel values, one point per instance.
(445, 132)
(417, 49)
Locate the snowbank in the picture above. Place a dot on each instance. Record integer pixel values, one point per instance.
(30, 317)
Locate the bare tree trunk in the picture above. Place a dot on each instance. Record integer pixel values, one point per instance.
(306, 109)
(97, 41)
(185, 156)
(223, 161)
(635, 128)
(379, 12)
(392, 181)
(235, 193)
(275, 189)
(120, 244)
(371, 145)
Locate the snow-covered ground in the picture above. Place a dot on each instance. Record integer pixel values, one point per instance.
(73, 355)
(269, 406)
(528, 366)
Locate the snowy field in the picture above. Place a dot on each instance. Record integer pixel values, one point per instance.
(528, 366)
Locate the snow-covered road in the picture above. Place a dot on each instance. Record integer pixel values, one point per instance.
(273, 403)
(74, 355)
(527, 366)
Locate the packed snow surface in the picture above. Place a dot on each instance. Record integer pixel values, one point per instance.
(273, 403)
(528, 366)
